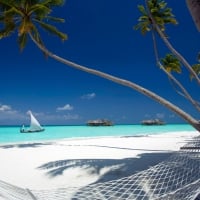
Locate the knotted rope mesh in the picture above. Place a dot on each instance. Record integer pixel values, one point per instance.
(176, 178)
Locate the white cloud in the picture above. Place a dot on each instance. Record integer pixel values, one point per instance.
(88, 96)
(65, 107)
(5, 108)
(8, 115)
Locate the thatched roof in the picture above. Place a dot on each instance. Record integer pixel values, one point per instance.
(153, 122)
(99, 122)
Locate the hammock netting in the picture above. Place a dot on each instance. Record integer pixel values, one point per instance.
(176, 178)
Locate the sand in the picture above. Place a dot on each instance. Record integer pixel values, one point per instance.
(77, 163)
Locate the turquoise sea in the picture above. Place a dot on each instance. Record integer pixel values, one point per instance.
(11, 134)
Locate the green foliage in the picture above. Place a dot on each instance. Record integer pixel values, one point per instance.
(196, 68)
(22, 39)
(144, 22)
(156, 11)
(171, 63)
(53, 30)
(26, 16)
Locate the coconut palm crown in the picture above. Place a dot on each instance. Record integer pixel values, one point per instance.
(159, 12)
(171, 63)
(26, 17)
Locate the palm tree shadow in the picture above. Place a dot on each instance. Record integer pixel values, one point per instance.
(25, 145)
(115, 168)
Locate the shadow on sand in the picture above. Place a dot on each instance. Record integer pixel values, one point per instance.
(118, 168)
(25, 145)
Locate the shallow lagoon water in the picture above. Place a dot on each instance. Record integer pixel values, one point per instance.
(11, 134)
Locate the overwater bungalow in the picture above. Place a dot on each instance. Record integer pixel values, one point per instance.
(153, 122)
(99, 122)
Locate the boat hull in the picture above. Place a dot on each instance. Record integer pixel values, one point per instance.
(31, 131)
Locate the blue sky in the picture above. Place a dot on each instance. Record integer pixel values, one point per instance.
(101, 36)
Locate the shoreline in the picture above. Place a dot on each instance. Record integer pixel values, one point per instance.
(193, 132)
(79, 162)
(12, 134)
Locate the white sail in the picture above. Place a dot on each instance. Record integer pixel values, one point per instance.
(34, 125)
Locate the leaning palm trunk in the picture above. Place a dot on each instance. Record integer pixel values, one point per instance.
(126, 83)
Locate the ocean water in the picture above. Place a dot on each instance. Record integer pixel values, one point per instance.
(11, 134)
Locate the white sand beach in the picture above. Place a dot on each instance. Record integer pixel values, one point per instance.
(76, 163)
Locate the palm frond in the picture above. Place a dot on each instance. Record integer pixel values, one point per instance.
(52, 29)
(27, 16)
(6, 4)
(161, 14)
(51, 3)
(55, 19)
(196, 68)
(22, 40)
(171, 63)
(40, 11)
(8, 26)
(142, 9)
(13, 11)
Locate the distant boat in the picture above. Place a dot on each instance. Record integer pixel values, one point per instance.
(34, 125)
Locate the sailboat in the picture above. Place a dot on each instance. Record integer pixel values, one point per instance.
(34, 125)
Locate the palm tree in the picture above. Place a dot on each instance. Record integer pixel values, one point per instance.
(155, 16)
(26, 16)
